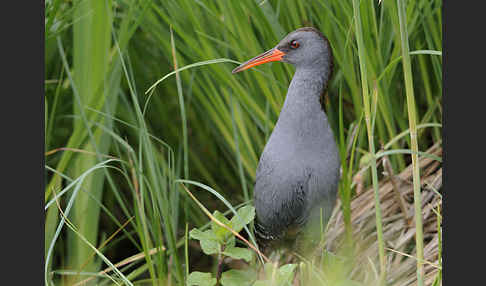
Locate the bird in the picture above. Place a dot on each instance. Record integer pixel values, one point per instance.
(298, 172)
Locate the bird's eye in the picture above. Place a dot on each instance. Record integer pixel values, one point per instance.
(294, 44)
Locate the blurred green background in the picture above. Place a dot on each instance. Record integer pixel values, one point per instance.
(113, 151)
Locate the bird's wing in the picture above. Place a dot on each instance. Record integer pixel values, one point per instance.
(321, 199)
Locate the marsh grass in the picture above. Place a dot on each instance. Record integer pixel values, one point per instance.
(141, 100)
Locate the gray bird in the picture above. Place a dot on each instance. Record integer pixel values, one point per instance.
(299, 169)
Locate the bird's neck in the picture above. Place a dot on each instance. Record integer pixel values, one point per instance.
(302, 109)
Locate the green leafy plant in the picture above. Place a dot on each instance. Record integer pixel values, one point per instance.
(218, 240)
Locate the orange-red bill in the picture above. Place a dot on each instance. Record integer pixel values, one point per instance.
(268, 56)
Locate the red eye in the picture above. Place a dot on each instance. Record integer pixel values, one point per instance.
(294, 44)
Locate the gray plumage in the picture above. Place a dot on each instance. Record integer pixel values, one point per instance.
(299, 168)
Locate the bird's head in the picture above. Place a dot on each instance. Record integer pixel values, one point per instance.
(304, 48)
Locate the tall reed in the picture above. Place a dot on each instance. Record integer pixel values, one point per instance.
(407, 72)
(371, 139)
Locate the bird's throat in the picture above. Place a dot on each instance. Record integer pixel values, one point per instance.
(302, 107)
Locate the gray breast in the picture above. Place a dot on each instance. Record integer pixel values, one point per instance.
(294, 179)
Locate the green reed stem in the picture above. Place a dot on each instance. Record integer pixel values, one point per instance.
(367, 110)
(182, 107)
(407, 71)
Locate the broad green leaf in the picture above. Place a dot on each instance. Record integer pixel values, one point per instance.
(208, 240)
(202, 235)
(238, 277)
(210, 246)
(200, 279)
(231, 242)
(222, 233)
(245, 215)
(238, 253)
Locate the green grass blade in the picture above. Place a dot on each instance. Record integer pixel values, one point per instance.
(407, 71)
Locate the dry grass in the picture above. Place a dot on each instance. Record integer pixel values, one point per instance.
(398, 229)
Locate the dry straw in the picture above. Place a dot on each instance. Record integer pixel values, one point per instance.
(398, 231)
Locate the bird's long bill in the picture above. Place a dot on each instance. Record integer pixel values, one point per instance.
(268, 56)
